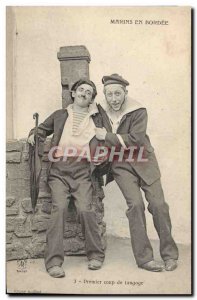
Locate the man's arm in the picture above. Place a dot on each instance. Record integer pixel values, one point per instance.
(136, 135)
(44, 129)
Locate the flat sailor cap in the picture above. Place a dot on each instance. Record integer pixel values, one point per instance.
(114, 79)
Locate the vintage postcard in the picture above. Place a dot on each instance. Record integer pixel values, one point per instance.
(98, 150)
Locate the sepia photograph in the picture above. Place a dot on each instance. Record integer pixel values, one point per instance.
(98, 150)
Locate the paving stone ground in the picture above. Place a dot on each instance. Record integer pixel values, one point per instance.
(119, 274)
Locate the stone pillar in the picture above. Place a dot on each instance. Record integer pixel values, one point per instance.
(74, 64)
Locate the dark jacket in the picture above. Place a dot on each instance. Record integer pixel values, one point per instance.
(54, 124)
(132, 129)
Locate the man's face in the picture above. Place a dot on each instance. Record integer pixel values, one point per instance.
(115, 96)
(83, 95)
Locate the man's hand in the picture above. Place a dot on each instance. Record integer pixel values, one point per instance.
(100, 133)
(31, 140)
(99, 160)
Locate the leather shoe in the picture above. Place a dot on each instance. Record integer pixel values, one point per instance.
(94, 264)
(153, 266)
(56, 272)
(171, 264)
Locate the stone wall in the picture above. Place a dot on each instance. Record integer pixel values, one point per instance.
(25, 231)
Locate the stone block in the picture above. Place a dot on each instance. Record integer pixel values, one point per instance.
(12, 187)
(12, 211)
(73, 229)
(13, 145)
(26, 205)
(44, 194)
(25, 147)
(25, 144)
(10, 224)
(25, 188)
(9, 237)
(13, 157)
(22, 227)
(13, 171)
(73, 53)
(73, 246)
(18, 171)
(39, 238)
(35, 250)
(70, 230)
(25, 170)
(71, 217)
(15, 251)
(79, 232)
(25, 156)
(10, 200)
(46, 207)
(43, 185)
(44, 190)
(40, 223)
(18, 188)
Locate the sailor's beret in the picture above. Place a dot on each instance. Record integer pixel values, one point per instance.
(114, 79)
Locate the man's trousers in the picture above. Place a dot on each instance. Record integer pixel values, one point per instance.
(130, 183)
(71, 178)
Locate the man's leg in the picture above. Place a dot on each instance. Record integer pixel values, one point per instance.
(54, 253)
(82, 191)
(161, 218)
(129, 186)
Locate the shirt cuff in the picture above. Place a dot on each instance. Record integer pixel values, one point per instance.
(121, 141)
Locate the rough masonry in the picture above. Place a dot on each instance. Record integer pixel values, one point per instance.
(25, 231)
